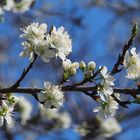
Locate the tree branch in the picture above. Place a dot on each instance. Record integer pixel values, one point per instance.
(127, 45)
(127, 91)
(23, 75)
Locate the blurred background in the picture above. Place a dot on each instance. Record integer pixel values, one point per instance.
(99, 29)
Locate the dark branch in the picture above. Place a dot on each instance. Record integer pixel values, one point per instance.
(89, 91)
(127, 91)
(23, 75)
(121, 103)
(127, 45)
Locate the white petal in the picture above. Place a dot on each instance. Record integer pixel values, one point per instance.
(41, 97)
(97, 109)
(31, 56)
(104, 71)
(1, 121)
(8, 118)
(133, 51)
(62, 56)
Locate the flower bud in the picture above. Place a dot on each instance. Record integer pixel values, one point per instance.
(66, 64)
(75, 65)
(89, 74)
(91, 65)
(12, 99)
(72, 71)
(82, 65)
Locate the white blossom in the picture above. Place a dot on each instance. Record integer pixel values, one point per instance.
(51, 96)
(107, 109)
(104, 91)
(28, 50)
(70, 67)
(60, 40)
(107, 81)
(25, 109)
(109, 127)
(8, 5)
(44, 51)
(131, 58)
(21, 6)
(132, 64)
(107, 78)
(6, 113)
(35, 35)
(133, 72)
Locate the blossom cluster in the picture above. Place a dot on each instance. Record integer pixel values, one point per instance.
(15, 6)
(109, 127)
(108, 105)
(48, 44)
(105, 128)
(62, 119)
(25, 109)
(55, 43)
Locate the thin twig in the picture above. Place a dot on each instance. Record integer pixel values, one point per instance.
(127, 45)
(121, 103)
(23, 75)
(87, 79)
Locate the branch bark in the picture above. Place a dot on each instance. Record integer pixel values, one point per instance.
(128, 91)
(127, 45)
(23, 75)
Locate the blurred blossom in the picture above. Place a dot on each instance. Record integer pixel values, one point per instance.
(16, 6)
(62, 119)
(82, 129)
(25, 109)
(109, 127)
(22, 6)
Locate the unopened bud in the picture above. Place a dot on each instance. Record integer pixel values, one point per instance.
(89, 74)
(91, 65)
(72, 71)
(82, 65)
